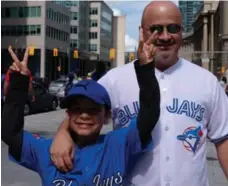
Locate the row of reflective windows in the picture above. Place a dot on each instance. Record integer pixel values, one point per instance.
(57, 34)
(67, 4)
(57, 16)
(20, 12)
(21, 30)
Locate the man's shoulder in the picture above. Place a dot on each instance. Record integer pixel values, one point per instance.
(126, 68)
(195, 70)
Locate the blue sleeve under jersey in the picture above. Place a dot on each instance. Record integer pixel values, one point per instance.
(127, 139)
(34, 149)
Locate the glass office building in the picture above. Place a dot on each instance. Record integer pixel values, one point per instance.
(188, 11)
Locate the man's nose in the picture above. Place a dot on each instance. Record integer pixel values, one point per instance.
(165, 36)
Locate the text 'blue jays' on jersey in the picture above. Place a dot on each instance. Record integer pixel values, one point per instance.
(103, 163)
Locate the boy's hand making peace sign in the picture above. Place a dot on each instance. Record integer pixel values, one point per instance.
(19, 66)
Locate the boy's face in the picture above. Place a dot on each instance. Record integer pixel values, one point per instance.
(86, 117)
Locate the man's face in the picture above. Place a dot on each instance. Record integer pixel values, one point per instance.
(86, 117)
(169, 38)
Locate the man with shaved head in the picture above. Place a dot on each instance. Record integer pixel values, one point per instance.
(194, 108)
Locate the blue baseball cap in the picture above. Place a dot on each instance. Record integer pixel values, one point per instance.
(90, 89)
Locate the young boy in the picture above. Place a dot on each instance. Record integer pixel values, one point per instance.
(99, 159)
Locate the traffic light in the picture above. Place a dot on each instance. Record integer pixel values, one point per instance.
(55, 52)
(223, 70)
(31, 51)
(75, 54)
(112, 53)
(132, 56)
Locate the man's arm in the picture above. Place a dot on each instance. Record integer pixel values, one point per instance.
(218, 124)
(222, 153)
(62, 157)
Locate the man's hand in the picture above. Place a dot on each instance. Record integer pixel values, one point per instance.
(146, 49)
(62, 151)
(19, 66)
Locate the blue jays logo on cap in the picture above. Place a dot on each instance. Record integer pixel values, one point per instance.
(90, 89)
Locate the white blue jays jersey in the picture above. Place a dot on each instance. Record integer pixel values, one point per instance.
(101, 164)
(194, 107)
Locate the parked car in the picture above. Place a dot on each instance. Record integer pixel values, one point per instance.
(57, 87)
(43, 100)
(43, 81)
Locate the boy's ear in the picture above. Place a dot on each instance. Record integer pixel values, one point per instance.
(108, 115)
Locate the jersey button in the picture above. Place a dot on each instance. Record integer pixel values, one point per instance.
(167, 158)
(167, 184)
(164, 89)
(162, 76)
(166, 128)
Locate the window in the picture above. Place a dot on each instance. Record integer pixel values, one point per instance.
(74, 15)
(93, 47)
(14, 12)
(74, 43)
(33, 30)
(74, 30)
(93, 11)
(7, 12)
(33, 11)
(93, 23)
(74, 3)
(56, 34)
(38, 29)
(106, 26)
(92, 35)
(21, 12)
(57, 16)
(21, 30)
(38, 11)
(107, 16)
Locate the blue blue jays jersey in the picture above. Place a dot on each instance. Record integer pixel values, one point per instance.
(103, 163)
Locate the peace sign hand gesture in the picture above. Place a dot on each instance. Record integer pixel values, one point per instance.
(17, 66)
(146, 50)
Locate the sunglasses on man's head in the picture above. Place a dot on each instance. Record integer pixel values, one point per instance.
(171, 28)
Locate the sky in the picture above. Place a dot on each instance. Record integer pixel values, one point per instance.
(133, 11)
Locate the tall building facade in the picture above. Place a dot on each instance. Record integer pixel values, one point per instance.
(188, 11)
(91, 32)
(79, 23)
(41, 24)
(100, 32)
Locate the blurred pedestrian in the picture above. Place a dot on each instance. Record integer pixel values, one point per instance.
(100, 71)
(70, 82)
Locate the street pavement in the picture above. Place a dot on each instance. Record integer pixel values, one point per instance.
(46, 125)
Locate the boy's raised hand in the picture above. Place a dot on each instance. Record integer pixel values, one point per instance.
(19, 66)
